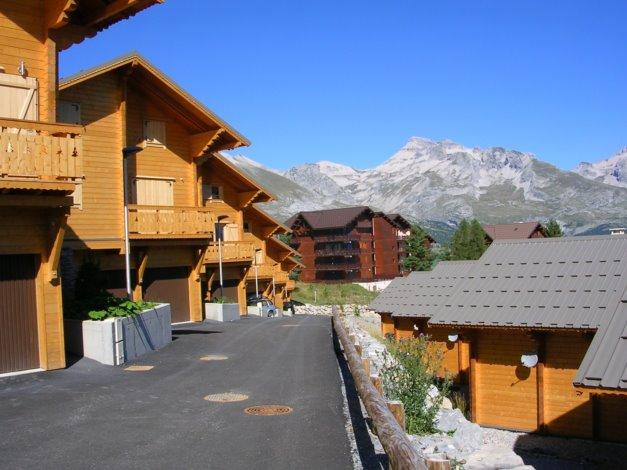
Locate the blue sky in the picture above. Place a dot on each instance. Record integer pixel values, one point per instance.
(351, 81)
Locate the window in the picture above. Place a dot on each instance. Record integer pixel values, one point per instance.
(247, 227)
(69, 112)
(212, 192)
(153, 191)
(18, 97)
(77, 196)
(154, 132)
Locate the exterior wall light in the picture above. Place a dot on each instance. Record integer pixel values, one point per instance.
(453, 337)
(529, 360)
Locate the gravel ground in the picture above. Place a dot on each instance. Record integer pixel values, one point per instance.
(541, 452)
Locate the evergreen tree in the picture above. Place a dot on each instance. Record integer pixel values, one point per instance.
(468, 242)
(459, 242)
(553, 229)
(419, 257)
(476, 242)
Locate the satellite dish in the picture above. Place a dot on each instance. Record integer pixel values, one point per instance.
(453, 337)
(529, 360)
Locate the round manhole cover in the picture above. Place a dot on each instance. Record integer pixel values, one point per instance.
(268, 410)
(227, 397)
(214, 357)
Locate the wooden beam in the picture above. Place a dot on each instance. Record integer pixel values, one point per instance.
(473, 379)
(210, 280)
(58, 12)
(51, 128)
(202, 142)
(200, 261)
(141, 262)
(268, 230)
(114, 8)
(541, 342)
(55, 249)
(246, 198)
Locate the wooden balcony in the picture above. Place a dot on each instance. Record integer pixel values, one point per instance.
(280, 277)
(344, 266)
(231, 252)
(263, 271)
(38, 156)
(156, 222)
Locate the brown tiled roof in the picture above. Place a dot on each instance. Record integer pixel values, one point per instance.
(511, 231)
(329, 218)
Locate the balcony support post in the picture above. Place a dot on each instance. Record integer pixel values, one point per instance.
(126, 152)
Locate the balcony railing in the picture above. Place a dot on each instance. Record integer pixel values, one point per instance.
(337, 251)
(263, 270)
(340, 237)
(40, 151)
(170, 222)
(337, 266)
(231, 251)
(281, 277)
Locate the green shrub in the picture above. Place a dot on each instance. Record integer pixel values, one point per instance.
(222, 300)
(459, 401)
(123, 308)
(409, 371)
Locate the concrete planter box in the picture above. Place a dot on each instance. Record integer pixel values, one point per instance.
(254, 310)
(221, 312)
(115, 341)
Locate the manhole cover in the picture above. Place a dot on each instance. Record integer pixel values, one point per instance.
(268, 410)
(227, 397)
(214, 357)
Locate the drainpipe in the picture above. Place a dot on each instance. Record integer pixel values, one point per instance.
(126, 152)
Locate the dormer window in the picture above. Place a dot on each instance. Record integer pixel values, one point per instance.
(154, 132)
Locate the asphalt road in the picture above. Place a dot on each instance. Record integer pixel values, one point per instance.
(96, 416)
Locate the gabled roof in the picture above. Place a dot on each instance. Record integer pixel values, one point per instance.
(400, 221)
(421, 292)
(271, 221)
(569, 282)
(511, 231)
(263, 194)
(150, 77)
(329, 218)
(79, 19)
(605, 362)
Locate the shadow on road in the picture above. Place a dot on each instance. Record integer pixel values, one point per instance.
(193, 332)
(370, 460)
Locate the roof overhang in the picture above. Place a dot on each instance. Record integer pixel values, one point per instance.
(209, 132)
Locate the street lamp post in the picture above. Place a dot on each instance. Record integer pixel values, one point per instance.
(126, 152)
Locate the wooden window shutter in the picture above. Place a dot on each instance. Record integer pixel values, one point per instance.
(154, 191)
(77, 196)
(68, 112)
(154, 132)
(231, 233)
(259, 258)
(19, 98)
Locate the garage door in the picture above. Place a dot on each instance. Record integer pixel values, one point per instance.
(169, 285)
(19, 348)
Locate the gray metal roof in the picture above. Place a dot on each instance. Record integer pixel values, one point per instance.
(420, 293)
(570, 282)
(605, 363)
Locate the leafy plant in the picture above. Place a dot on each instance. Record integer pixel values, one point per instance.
(222, 300)
(553, 229)
(356, 311)
(121, 308)
(409, 375)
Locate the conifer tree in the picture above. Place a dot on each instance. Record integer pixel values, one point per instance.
(419, 256)
(459, 242)
(476, 242)
(553, 229)
(468, 242)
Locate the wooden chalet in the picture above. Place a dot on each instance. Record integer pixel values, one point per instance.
(513, 231)
(352, 244)
(182, 191)
(41, 167)
(534, 329)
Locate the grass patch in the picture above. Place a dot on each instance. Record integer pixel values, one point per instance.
(332, 294)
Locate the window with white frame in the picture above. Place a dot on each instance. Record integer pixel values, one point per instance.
(154, 132)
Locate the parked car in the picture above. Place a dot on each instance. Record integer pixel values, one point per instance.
(268, 309)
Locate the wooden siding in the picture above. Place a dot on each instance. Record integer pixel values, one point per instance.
(507, 394)
(172, 161)
(101, 215)
(387, 324)
(23, 37)
(567, 411)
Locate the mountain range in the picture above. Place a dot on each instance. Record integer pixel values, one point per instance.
(437, 183)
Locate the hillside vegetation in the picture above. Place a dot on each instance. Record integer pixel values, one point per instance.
(332, 294)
